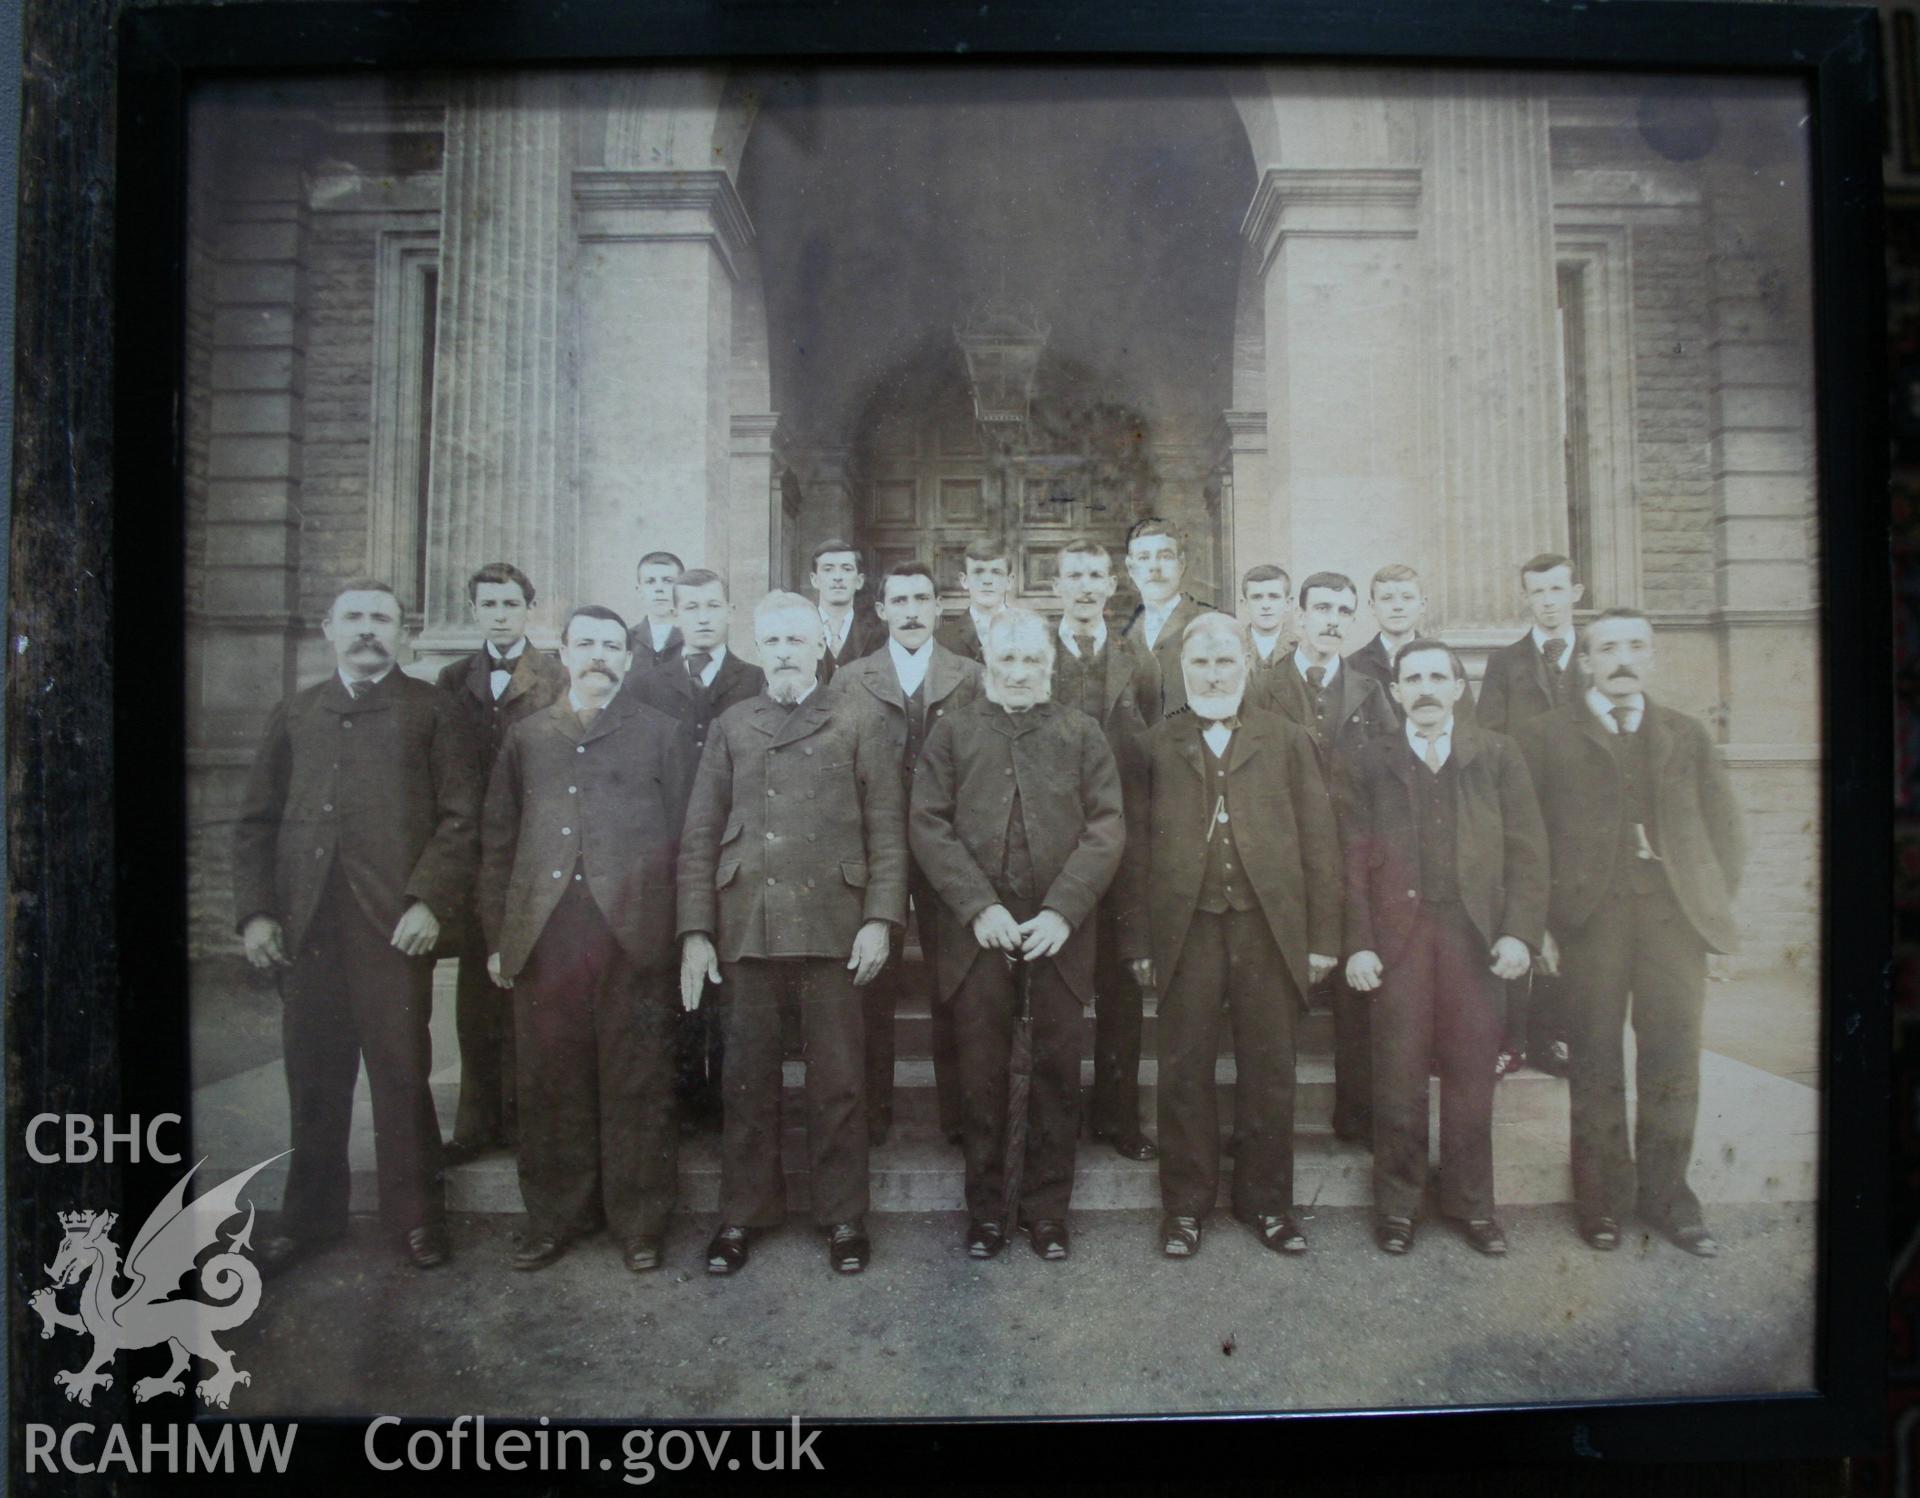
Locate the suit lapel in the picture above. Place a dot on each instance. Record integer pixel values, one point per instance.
(943, 674)
(1248, 740)
(883, 680)
(1660, 740)
(480, 675)
(525, 677)
(803, 720)
(1191, 749)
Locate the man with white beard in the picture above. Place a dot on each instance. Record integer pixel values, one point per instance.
(792, 887)
(1243, 861)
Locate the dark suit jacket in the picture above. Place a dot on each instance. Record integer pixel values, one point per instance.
(1163, 686)
(1516, 688)
(1123, 725)
(1358, 713)
(796, 832)
(1500, 848)
(1697, 827)
(865, 634)
(608, 797)
(1371, 659)
(957, 633)
(388, 787)
(645, 657)
(538, 681)
(1071, 810)
(952, 682)
(1282, 826)
(667, 688)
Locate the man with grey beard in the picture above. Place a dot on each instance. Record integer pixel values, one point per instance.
(1017, 825)
(1240, 853)
(792, 887)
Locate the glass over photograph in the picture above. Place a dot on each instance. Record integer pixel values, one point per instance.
(992, 741)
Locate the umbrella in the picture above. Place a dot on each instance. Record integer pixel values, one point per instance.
(1019, 1085)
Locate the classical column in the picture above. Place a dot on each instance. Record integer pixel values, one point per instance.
(1259, 532)
(1492, 378)
(501, 407)
(658, 252)
(753, 519)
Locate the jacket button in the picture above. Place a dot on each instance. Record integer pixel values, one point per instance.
(579, 748)
(772, 880)
(319, 852)
(1008, 770)
(771, 836)
(326, 806)
(346, 722)
(573, 790)
(769, 790)
(566, 832)
(559, 874)
(807, 750)
(1413, 894)
(576, 878)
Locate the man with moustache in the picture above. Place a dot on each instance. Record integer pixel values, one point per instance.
(1532, 676)
(579, 839)
(1100, 677)
(1647, 848)
(694, 687)
(988, 580)
(656, 637)
(1266, 600)
(792, 887)
(501, 683)
(1446, 899)
(850, 632)
(1017, 820)
(1156, 561)
(1343, 711)
(356, 837)
(913, 683)
(1237, 868)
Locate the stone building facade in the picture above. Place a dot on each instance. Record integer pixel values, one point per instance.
(1326, 317)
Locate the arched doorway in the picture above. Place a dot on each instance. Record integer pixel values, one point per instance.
(1101, 208)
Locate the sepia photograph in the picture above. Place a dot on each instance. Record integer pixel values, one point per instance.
(936, 741)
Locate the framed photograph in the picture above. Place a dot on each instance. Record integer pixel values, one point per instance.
(905, 736)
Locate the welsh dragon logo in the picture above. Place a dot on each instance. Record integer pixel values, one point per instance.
(148, 1312)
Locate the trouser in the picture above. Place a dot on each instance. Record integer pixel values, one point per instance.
(699, 1050)
(483, 1024)
(1536, 1016)
(1638, 954)
(351, 994)
(598, 1141)
(881, 1000)
(753, 993)
(1437, 1000)
(1115, 1104)
(983, 1027)
(1227, 960)
(1352, 1056)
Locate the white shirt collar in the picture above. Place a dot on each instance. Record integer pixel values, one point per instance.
(660, 634)
(1066, 636)
(519, 649)
(910, 666)
(812, 686)
(1217, 733)
(1602, 706)
(1306, 664)
(1266, 644)
(1418, 743)
(1540, 638)
(347, 681)
(1154, 619)
(573, 699)
(836, 630)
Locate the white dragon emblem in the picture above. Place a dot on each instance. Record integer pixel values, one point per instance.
(167, 1247)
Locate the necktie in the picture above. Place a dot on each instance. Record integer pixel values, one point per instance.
(498, 668)
(1624, 717)
(1084, 644)
(358, 689)
(697, 664)
(1432, 741)
(1317, 685)
(1556, 678)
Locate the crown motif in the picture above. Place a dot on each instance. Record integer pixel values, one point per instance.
(79, 1221)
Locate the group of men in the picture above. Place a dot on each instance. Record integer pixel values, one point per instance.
(653, 859)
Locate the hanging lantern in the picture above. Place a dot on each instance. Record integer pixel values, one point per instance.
(1001, 339)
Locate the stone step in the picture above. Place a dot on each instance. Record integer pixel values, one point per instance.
(913, 1031)
(1758, 1141)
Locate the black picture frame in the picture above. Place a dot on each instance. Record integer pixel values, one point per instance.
(98, 1017)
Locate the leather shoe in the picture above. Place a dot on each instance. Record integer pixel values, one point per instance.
(1554, 1061)
(280, 1252)
(641, 1254)
(1394, 1234)
(537, 1250)
(1352, 1131)
(1048, 1237)
(427, 1246)
(1134, 1146)
(985, 1238)
(847, 1247)
(457, 1152)
(1696, 1240)
(1278, 1231)
(1484, 1234)
(1179, 1235)
(727, 1250)
(1508, 1062)
(1602, 1233)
